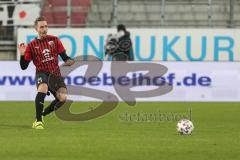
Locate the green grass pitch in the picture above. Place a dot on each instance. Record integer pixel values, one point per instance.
(110, 137)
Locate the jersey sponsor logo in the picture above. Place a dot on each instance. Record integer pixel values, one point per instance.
(47, 55)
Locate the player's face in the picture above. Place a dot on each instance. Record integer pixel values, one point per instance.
(42, 28)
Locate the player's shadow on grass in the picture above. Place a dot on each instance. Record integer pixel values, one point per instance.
(15, 126)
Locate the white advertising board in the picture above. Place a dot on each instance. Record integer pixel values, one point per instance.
(152, 44)
(191, 81)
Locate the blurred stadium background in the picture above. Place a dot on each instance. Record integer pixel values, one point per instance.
(214, 100)
(16, 14)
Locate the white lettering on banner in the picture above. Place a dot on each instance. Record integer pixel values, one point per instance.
(192, 81)
(152, 44)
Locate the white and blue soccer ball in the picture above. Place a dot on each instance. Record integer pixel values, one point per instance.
(185, 126)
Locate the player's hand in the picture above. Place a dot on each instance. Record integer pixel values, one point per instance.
(22, 49)
(69, 62)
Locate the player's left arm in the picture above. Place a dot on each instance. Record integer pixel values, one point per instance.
(68, 61)
(62, 52)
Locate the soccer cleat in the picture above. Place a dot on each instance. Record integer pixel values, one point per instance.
(38, 125)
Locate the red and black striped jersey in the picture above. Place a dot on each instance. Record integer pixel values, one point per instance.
(44, 54)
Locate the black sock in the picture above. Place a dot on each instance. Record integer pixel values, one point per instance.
(58, 105)
(39, 104)
(50, 108)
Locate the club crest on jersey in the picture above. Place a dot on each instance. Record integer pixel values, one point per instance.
(51, 43)
(47, 55)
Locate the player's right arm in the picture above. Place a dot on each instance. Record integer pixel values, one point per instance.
(25, 56)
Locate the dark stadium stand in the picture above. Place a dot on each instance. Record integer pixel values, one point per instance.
(166, 13)
(57, 12)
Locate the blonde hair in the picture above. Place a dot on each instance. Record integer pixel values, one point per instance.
(41, 18)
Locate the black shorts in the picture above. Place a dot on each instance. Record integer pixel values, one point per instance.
(54, 82)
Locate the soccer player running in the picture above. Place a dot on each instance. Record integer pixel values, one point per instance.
(44, 51)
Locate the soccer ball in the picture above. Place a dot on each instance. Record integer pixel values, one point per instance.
(185, 126)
